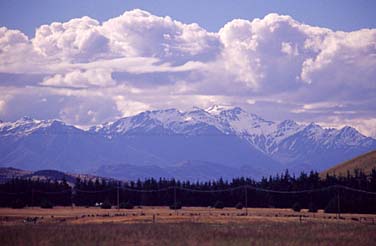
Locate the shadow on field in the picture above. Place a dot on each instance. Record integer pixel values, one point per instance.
(268, 233)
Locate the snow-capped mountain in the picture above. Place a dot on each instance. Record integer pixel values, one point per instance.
(47, 144)
(26, 126)
(223, 136)
(168, 121)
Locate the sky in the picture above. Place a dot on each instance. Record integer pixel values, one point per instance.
(88, 62)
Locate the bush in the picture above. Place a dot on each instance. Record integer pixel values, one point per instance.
(312, 208)
(332, 206)
(46, 204)
(239, 205)
(176, 205)
(106, 205)
(219, 205)
(296, 207)
(18, 204)
(126, 205)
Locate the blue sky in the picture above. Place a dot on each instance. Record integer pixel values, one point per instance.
(310, 61)
(344, 15)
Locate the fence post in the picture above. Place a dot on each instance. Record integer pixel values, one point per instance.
(175, 205)
(338, 205)
(246, 199)
(118, 195)
(32, 198)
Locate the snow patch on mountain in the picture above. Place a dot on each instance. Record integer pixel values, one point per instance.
(27, 125)
(217, 109)
(262, 134)
(219, 134)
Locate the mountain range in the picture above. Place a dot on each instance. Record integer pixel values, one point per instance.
(198, 144)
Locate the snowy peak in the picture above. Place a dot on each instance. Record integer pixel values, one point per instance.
(314, 131)
(123, 125)
(26, 119)
(287, 125)
(217, 109)
(228, 135)
(244, 123)
(172, 120)
(233, 113)
(27, 125)
(260, 133)
(284, 130)
(349, 131)
(350, 136)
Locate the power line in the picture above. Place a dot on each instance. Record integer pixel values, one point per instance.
(93, 191)
(332, 187)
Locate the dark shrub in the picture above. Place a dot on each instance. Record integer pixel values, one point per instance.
(312, 208)
(296, 207)
(332, 206)
(18, 204)
(106, 204)
(239, 205)
(176, 205)
(126, 205)
(46, 204)
(219, 205)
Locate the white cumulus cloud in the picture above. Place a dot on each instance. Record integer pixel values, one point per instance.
(81, 79)
(275, 66)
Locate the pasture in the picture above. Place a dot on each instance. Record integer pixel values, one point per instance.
(188, 226)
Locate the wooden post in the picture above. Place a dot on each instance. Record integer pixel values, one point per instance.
(175, 205)
(71, 198)
(118, 196)
(32, 197)
(246, 200)
(338, 206)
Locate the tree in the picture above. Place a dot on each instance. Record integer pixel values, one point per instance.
(126, 205)
(18, 203)
(106, 204)
(312, 208)
(219, 205)
(176, 205)
(46, 204)
(296, 207)
(239, 205)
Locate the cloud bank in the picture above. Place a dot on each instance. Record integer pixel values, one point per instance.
(86, 72)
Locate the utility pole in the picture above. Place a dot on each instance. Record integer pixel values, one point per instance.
(32, 197)
(118, 195)
(338, 205)
(246, 200)
(175, 205)
(71, 197)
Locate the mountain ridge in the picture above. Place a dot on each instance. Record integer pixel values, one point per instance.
(221, 135)
(365, 162)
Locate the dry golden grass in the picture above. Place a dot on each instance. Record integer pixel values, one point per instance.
(189, 226)
(81, 215)
(365, 162)
(250, 233)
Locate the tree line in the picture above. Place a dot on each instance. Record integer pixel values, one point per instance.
(350, 193)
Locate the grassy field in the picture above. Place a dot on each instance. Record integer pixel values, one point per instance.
(365, 162)
(190, 226)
